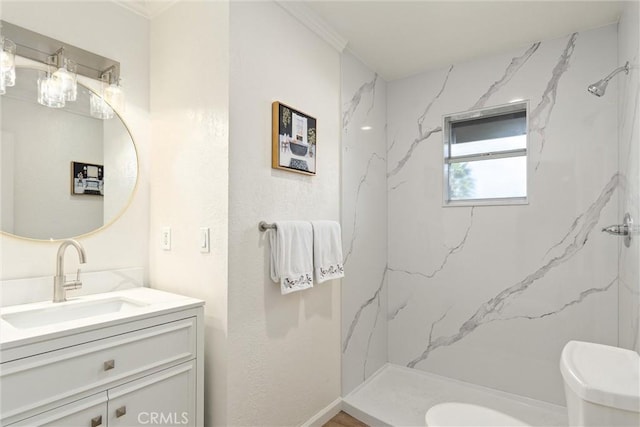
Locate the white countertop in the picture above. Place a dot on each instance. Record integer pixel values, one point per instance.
(155, 303)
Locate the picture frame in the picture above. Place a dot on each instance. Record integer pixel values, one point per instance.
(293, 140)
(87, 179)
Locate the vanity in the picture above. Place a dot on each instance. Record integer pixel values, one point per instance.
(124, 358)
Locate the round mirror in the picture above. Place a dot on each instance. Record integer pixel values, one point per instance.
(63, 172)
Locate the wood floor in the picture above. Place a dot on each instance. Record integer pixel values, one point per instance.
(344, 420)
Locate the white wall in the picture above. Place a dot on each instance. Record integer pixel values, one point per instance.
(364, 222)
(90, 25)
(189, 170)
(284, 351)
(491, 294)
(629, 137)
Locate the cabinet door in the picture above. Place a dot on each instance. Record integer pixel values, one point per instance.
(166, 398)
(88, 412)
(46, 381)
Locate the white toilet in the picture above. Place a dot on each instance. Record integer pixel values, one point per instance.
(601, 384)
(457, 414)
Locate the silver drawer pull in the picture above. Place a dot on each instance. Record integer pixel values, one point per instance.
(97, 421)
(121, 411)
(109, 364)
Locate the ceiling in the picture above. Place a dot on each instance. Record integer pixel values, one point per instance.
(401, 38)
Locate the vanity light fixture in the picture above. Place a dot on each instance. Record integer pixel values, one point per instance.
(7, 64)
(50, 92)
(110, 97)
(55, 88)
(112, 93)
(66, 74)
(58, 84)
(99, 108)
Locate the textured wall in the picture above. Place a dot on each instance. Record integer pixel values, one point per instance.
(84, 24)
(190, 117)
(364, 222)
(490, 294)
(629, 134)
(284, 351)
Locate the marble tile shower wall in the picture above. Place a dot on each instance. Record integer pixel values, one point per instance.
(364, 223)
(629, 123)
(490, 294)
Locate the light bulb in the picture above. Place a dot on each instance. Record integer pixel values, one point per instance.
(67, 77)
(7, 62)
(9, 77)
(114, 96)
(50, 93)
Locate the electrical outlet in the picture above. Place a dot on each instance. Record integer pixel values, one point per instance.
(204, 240)
(165, 238)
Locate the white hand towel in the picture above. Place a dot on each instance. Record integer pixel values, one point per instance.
(327, 250)
(292, 255)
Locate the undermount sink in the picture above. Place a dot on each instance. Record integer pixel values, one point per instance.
(68, 311)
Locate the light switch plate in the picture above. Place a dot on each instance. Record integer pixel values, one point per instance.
(165, 238)
(204, 240)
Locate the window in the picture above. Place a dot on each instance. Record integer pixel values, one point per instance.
(485, 156)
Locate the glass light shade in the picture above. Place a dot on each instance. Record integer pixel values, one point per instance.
(99, 108)
(7, 62)
(68, 79)
(50, 93)
(3, 88)
(9, 77)
(114, 96)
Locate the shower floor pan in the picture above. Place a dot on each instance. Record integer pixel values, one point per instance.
(399, 396)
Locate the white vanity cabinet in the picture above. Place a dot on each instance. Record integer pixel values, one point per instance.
(148, 371)
(90, 412)
(165, 398)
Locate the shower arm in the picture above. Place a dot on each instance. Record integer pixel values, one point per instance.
(624, 68)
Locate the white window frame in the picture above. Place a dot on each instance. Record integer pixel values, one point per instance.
(499, 110)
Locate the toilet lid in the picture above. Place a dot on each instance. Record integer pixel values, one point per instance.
(602, 374)
(465, 414)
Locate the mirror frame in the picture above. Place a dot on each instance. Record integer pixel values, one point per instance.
(82, 81)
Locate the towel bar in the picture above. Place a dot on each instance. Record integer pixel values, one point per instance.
(264, 226)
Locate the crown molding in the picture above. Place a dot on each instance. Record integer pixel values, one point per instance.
(310, 19)
(148, 9)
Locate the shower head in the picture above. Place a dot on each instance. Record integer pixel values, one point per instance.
(598, 88)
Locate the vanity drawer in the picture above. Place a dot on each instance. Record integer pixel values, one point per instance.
(90, 411)
(39, 382)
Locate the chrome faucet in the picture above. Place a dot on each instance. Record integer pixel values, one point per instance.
(60, 285)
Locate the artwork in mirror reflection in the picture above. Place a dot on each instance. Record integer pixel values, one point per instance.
(87, 179)
(38, 145)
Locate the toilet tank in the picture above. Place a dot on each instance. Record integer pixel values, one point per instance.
(602, 385)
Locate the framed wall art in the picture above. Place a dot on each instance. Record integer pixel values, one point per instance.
(87, 179)
(293, 140)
